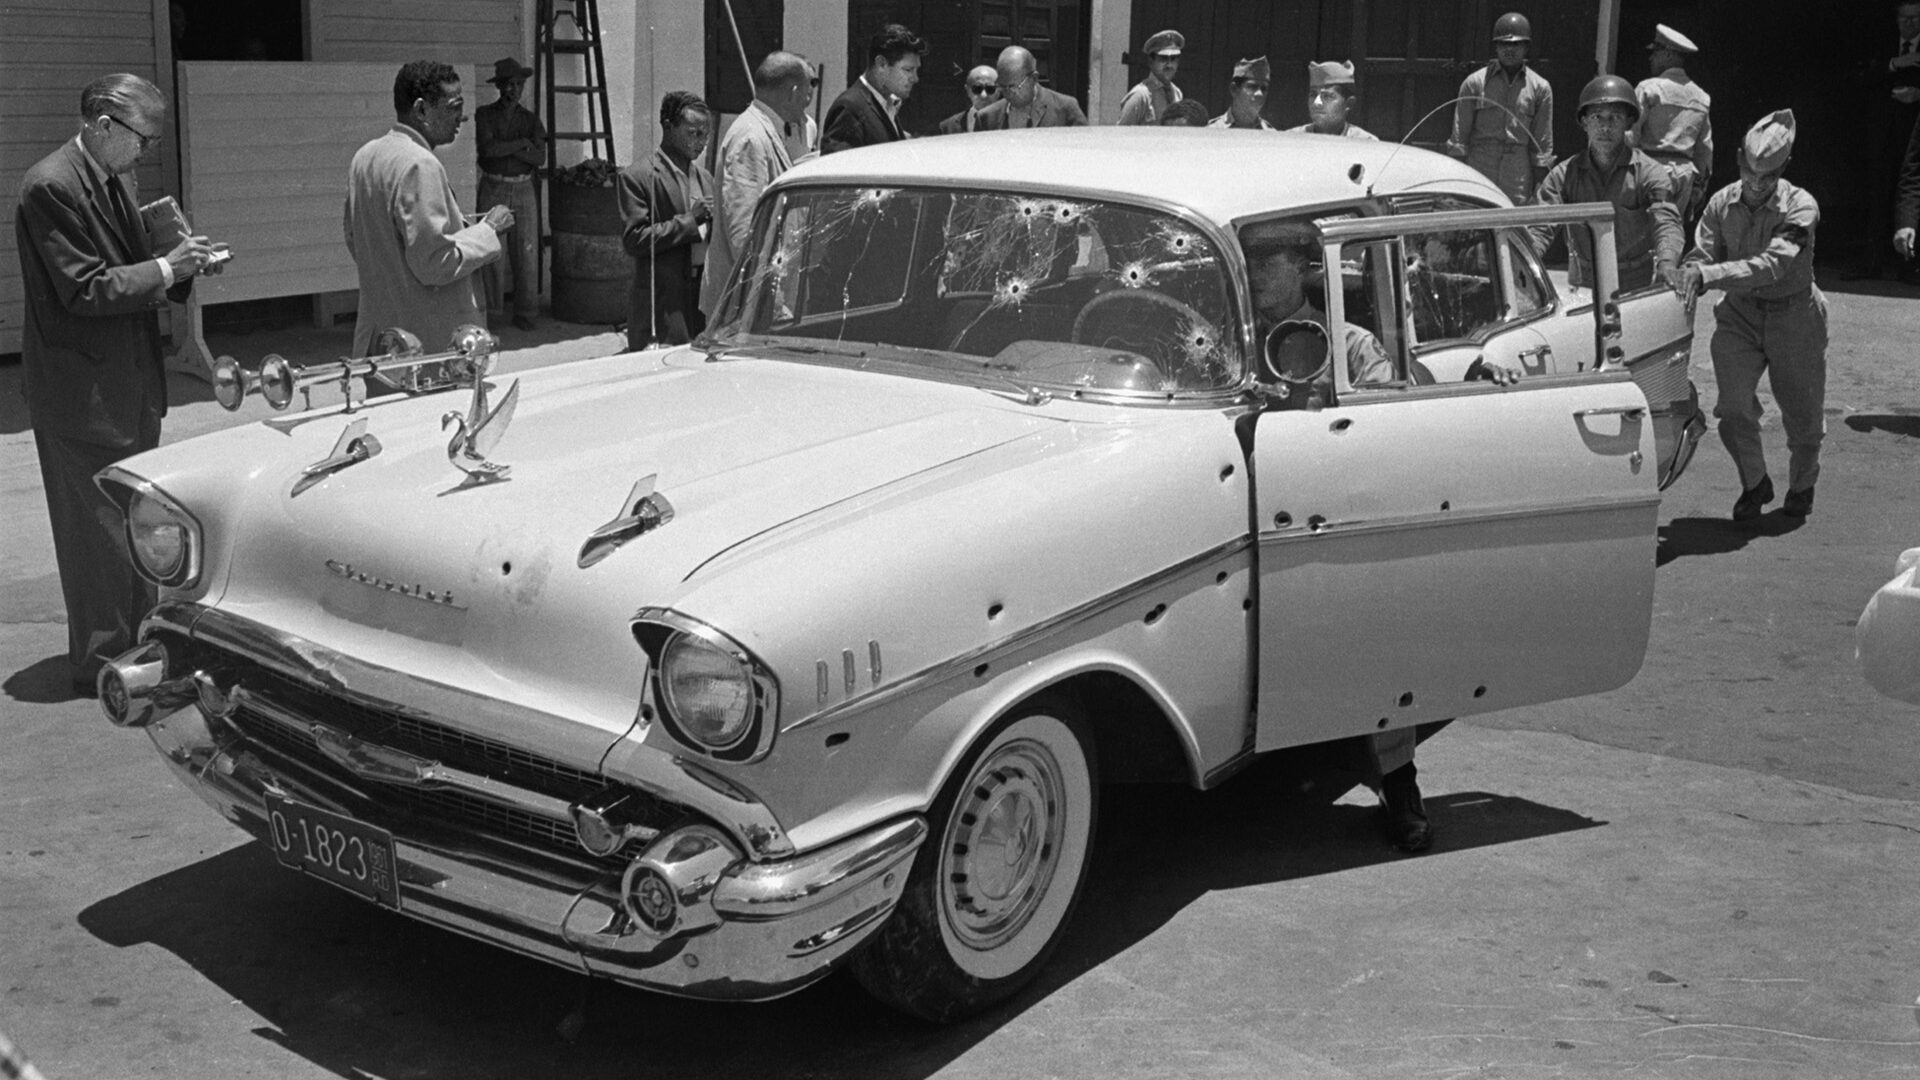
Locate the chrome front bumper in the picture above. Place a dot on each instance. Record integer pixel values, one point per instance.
(728, 928)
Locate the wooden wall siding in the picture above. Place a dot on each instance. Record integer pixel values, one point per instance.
(48, 52)
(265, 167)
(460, 32)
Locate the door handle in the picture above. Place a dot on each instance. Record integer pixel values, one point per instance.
(1631, 412)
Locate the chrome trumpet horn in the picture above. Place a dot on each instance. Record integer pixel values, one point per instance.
(400, 365)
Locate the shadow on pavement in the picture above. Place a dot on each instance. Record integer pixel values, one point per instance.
(1892, 423)
(43, 682)
(1718, 536)
(360, 992)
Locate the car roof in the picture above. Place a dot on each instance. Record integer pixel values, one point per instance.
(1220, 174)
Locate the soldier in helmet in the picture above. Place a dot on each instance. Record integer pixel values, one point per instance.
(1150, 98)
(1648, 236)
(1503, 121)
(1755, 244)
(1330, 96)
(1674, 129)
(1251, 81)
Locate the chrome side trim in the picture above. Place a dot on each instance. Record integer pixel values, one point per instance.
(1023, 638)
(1444, 518)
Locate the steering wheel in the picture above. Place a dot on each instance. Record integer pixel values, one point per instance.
(1143, 296)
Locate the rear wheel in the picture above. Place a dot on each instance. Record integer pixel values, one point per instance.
(998, 878)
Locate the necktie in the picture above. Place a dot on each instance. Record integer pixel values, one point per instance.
(129, 218)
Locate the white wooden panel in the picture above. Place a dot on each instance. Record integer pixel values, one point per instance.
(265, 168)
(49, 51)
(458, 32)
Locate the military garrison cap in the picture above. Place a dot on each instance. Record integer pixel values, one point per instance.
(1256, 70)
(1329, 73)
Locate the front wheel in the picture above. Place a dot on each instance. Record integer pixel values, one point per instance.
(994, 885)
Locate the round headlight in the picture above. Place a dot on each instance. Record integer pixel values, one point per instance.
(708, 691)
(157, 536)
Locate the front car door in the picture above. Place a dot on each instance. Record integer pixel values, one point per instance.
(1429, 550)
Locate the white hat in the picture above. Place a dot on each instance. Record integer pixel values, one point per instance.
(1769, 143)
(1666, 37)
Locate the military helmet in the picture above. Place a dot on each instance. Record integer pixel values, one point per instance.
(1608, 90)
(1512, 26)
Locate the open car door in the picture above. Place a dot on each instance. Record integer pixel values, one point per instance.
(1430, 548)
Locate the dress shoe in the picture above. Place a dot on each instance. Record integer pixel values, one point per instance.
(523, 322)
(1407, 827)
(1747, 506)
(1798, 503)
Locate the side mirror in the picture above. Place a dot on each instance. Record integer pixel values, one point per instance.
(1296, 364)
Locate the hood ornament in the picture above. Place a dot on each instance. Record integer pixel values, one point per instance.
(478, 432)
(643, 511)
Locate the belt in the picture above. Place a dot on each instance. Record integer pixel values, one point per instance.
(1773, 303)
(523, 178)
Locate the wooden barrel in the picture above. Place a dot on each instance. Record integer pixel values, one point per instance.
(591, 272)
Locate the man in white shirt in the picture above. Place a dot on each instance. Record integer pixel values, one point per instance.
(868, 112)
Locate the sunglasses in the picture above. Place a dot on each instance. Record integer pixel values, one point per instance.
(981, 88)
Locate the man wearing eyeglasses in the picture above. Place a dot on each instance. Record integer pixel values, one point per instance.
(1024, 103)
(93, 377)
(982, 91)
(416, 252)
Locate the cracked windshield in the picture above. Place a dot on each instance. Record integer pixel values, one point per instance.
(1032, 290)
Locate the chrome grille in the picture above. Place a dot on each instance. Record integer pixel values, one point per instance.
(438, 742)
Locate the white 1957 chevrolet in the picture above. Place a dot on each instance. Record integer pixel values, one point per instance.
(708, 669)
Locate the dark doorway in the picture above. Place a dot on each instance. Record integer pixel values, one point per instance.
(762, 28)
(238, 30)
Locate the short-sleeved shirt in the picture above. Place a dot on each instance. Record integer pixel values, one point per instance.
(1763, 251)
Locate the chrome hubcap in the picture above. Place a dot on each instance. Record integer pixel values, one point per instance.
(1002, 844)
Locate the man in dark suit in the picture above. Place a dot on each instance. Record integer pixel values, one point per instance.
(666, 202)
(1894, 82)
(868, 111)
(1024, 103)
(981, 92)
(93, 378)
(1906, 203)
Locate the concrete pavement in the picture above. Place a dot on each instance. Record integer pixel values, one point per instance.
(1712, 872)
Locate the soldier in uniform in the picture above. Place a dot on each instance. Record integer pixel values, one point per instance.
(1330, 95)
(1674, 129)
(1251, 81)
(1648, 235)
(1150, 98)
(1503, 122)
(1755, 244)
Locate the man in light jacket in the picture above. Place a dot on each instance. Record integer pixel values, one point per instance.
(752, 155)
(414, 248)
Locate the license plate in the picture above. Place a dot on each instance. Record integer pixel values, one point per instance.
(351, 854)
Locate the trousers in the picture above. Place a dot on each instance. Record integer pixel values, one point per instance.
(1508, 165)
(521, 265)
(105, 597)
(1787, 340)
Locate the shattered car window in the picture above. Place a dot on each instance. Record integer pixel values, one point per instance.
(1042, 290)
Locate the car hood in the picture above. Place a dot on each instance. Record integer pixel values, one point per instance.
(395, 557)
